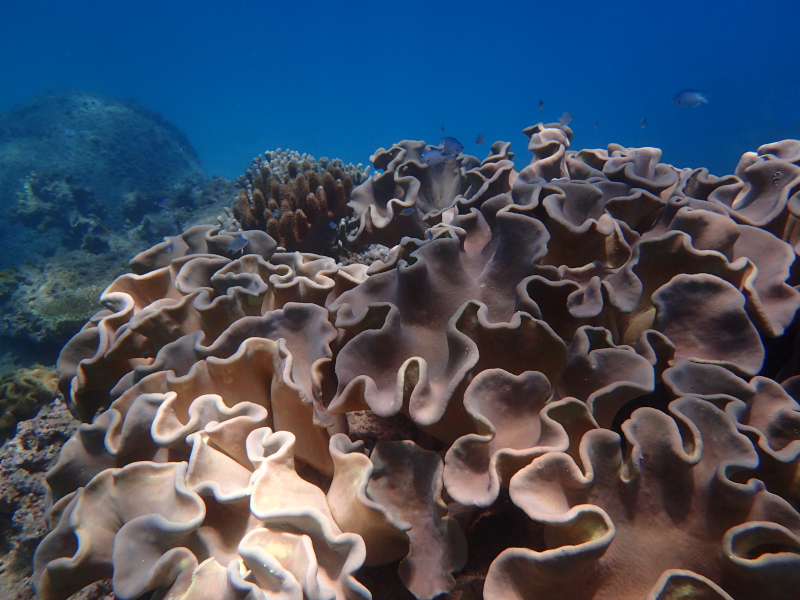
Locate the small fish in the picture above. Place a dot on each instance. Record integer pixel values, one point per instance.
(452, 147)
(275, 213)
(408, 211)
(100, 231)
(433, 157)
(442, 129)
(430, 234)
(178, 227)
(565, 118)
(596, 124)
(170, 246)
(165, 203)
(332, 224)
(644, 123)
(690, 98)
(479, 139)
(541, 104)
(69, 132)
(236, 245)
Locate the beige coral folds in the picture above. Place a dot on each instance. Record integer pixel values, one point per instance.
(574, 382)
(614, 525)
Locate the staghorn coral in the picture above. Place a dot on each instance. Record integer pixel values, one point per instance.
(577, 382)
(295, 199)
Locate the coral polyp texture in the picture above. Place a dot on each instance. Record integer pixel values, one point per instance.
(576, 381)
(298, 201)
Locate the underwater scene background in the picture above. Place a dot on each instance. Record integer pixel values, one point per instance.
(417, 300)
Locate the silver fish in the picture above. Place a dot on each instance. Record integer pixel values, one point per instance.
(690, 98)
(433, 157)
(452, 147)
(236, 245)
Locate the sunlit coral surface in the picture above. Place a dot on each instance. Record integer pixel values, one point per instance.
(571, 382)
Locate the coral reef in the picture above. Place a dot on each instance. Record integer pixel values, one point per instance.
(98, 141)
(295, 199)
(44, 303)
(70, 161)
(9, 281)
(24, 392)
(575, 381)
(405, 196)
(51, 302)
(24, 458)
(57, 202)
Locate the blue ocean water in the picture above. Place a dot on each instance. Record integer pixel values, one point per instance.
(342, 79)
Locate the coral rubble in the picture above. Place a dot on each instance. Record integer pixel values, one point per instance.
(575, 381)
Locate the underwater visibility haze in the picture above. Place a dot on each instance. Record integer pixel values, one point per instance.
(344, 79)
(414, 300)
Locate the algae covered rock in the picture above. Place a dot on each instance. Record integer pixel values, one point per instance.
(23, 392)
(71, 162)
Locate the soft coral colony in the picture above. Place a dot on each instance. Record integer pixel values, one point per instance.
(575, 382)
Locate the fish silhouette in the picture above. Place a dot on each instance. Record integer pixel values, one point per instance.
(690, 98)
(237, 244)
(452, 147)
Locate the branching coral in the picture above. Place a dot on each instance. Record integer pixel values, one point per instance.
(296, 200)
(565, 386)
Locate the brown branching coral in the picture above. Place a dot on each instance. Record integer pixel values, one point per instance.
(578, 381)
(296, 200)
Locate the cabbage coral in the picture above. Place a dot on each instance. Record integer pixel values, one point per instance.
(574, 381)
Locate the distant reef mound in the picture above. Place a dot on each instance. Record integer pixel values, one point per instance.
(108, 148)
